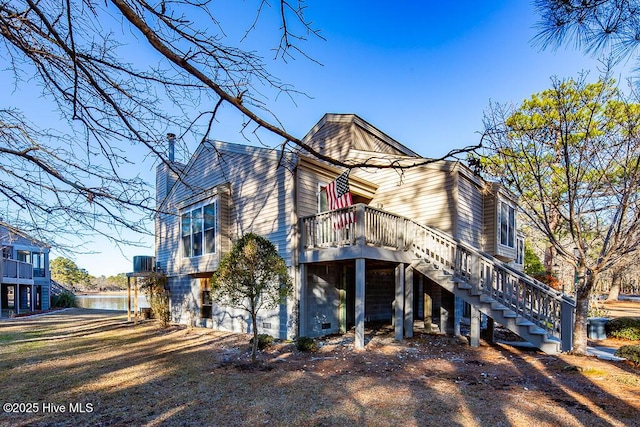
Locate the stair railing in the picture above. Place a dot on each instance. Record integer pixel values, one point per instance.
(535, 301)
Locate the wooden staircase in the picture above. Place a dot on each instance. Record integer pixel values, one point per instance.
(537, 313)
(487, 305)
(57, 289)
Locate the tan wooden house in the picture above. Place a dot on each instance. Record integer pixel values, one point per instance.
(433, 243)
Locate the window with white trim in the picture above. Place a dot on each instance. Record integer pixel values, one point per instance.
(507, 225)
(519, 251)
(198, 230)
(323, 203)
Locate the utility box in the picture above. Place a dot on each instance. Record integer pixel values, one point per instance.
(143, 264)
(596, 328)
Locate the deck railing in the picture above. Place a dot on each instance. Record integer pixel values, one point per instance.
(16, 271)
(357, 224)
(363, 225)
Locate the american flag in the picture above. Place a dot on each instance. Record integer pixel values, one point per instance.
(339, 197)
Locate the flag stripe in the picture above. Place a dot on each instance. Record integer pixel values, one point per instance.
(339, 196)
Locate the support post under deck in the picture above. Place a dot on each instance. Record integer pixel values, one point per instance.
(359, 308)
(399, 306)
(408, 303)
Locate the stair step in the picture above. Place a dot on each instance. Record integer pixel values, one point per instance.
(526, 323)
(484, 298)
(537, 331)
(496, 305)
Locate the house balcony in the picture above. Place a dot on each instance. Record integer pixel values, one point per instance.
(358, 231)
(16, 272)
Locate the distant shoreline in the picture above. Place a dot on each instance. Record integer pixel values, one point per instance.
(89, 293)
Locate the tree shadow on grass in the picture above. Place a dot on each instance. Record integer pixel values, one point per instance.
(143, 375)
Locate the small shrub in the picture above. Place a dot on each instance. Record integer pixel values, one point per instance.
(627, 328)
(306, 344)
(154, 288)
(630, 352)
(264, 341)
(64, 300)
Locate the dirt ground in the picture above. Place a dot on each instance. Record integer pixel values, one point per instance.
(88, 367)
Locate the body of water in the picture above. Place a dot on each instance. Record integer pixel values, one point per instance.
(110, 301)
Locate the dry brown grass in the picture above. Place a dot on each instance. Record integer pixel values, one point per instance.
(144, 375)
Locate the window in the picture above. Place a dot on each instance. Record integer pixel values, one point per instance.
(38, 264)
(323, 203)
(507, 225)
(520, 251)
(198, 231)
(24, 256)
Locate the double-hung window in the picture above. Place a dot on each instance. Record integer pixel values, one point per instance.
(198, 230)
(507, 225)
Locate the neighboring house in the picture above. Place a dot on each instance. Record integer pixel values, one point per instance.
(25, 279)
(432, 242)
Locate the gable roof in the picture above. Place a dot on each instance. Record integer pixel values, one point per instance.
(337, 134)
(10, 234)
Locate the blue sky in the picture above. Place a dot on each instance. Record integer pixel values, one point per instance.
(422, 72)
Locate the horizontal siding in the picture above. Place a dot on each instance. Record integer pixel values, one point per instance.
(259, 201)
(308, 191)
(424, 194)
(492, 226)
(333, 139)
(185, 298)
(470, 212)
(365, 141)
(490, 223)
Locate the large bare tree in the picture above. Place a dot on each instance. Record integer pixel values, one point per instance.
(572, 155)
(121, 73)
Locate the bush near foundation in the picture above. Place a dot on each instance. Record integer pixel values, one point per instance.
(264, 341)
(306, 344)
(627, 328)
(630, 352)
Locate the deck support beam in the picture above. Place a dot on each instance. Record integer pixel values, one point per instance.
(128, 299)
(408, 302)
(475, 327)
(399, 303)
(135, 301)
(302, 326)
(359, 308)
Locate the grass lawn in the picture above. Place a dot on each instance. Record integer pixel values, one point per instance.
(84, 367)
